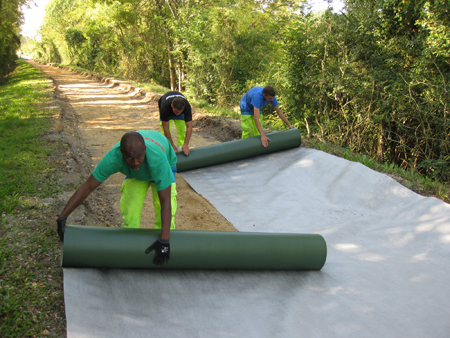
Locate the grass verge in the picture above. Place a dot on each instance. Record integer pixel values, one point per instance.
(31, 291)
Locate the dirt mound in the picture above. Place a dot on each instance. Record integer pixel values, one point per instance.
(222, 130)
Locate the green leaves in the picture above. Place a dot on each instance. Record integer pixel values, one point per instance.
(10, 17)
(371, 82)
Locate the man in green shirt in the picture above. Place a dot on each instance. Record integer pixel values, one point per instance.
(147, 159)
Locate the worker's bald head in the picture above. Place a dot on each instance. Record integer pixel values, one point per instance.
(133, 149)
(132, 142)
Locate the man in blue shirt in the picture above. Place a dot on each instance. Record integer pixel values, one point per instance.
(251, 117)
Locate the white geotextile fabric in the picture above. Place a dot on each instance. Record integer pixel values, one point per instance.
(386, 275)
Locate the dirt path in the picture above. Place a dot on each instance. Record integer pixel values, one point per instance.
(95, 113)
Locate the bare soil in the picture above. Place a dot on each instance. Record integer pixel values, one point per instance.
(95, 112)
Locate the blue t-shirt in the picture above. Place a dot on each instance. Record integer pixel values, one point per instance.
(254, 99)
(159, 164)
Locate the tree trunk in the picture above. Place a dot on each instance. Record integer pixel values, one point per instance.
(381, 143)
(172, 73)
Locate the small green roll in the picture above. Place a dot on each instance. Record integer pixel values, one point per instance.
(237, 150)
(103, 247)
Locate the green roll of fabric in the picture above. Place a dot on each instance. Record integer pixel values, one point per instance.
(237, 150)
(102, 247)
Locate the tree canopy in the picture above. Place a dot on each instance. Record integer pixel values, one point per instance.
(11, 18)
(373, 77)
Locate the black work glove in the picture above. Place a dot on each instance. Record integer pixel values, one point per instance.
(61, 227)
(162, 251)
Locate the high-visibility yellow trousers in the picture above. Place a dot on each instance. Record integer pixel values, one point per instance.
(249, 126)
(132, 200)
(181, 130)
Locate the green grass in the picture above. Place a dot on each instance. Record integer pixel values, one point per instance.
(23, 150)
(31, 294)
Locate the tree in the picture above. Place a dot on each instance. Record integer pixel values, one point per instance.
(10, 20)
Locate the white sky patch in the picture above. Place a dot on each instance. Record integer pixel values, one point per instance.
(323, 5)
(33, 17)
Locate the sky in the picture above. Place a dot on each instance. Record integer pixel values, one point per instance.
(33, 16)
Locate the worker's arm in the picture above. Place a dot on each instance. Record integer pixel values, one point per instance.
(166, 211)
(165, 125)
(185, 146)
(264, 139)
(281, 115)
(77, 198)
(162, 245)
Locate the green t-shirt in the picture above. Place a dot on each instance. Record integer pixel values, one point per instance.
(157, 166)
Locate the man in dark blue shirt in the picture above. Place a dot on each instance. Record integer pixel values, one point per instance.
(251, 117)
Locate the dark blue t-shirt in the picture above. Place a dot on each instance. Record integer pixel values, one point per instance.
(254, 99)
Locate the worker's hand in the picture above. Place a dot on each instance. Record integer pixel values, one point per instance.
(185, 149)
(265, 141)
(61, 222)
(162, 251)
(291, 126)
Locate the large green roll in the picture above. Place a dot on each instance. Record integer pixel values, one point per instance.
(103, 247)
(237, 150)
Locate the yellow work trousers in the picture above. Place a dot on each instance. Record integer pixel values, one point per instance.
(181, 130)
(249, 126)
(133, 196)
